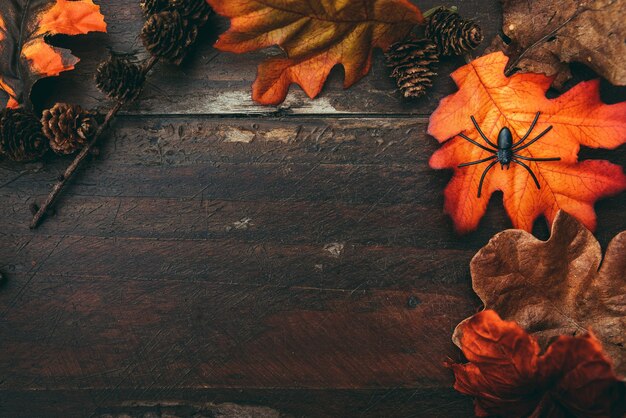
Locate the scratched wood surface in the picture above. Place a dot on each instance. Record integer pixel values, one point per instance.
(224, 259)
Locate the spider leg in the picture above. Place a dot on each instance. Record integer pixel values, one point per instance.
(482, 178)
(521, 157)
(484, 160)
(480, 131)
(537, 138)
(467, 138)
(532, 126)
(529, 171)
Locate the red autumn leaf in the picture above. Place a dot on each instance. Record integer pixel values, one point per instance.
(315, 36)
(577, 118)
(508, 376)
(25, 56)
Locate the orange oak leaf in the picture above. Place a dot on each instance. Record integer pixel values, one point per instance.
(315, 35)
(509, 377)
(577, 118)
(25, 56)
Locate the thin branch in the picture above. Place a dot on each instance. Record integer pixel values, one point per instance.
(71, 169)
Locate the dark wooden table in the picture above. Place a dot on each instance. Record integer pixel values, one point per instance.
(219, 257)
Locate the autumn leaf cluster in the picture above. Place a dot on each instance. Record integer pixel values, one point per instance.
(572, 359)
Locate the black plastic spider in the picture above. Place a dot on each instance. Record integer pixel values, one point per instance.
(505, 152)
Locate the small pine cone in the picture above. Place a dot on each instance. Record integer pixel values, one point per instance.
(119, 78)
(168, 35)
(21, 137)
(151, 7)
(413, 61)
(68, 127)
(198, 11)
(451, 33)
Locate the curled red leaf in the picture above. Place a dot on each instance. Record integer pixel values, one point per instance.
(508, 376)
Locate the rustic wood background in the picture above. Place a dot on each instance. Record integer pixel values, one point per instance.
(224, 258)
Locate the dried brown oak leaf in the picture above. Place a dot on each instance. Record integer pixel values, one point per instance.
(25, 56)
(546, 35)
(557, 287)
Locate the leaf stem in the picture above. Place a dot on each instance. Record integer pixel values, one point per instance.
(71, 169)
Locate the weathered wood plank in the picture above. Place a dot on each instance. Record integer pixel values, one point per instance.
(295, 180)
(335, 264)
(112, 333)
(185, 142)
(218, 83)
(293, 402)
(287, 222)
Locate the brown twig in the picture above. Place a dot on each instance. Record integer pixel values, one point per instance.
(71, 169)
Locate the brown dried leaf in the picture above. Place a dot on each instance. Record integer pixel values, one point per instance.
(557, 287)
(546, 35)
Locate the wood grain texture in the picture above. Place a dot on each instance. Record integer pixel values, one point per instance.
(223, 259)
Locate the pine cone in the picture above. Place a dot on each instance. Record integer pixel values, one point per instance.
(68, 127)
(413, 61)
(451, 33)
(168, 35)
(119, 78)
(197, 10)
(151, 7)
(21, 138)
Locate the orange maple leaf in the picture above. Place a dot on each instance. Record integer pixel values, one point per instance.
(577, 117)
(315, 36)
(25, 56)
(508, 376)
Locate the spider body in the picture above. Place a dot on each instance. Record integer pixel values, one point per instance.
(505, 147)
(506, 150)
